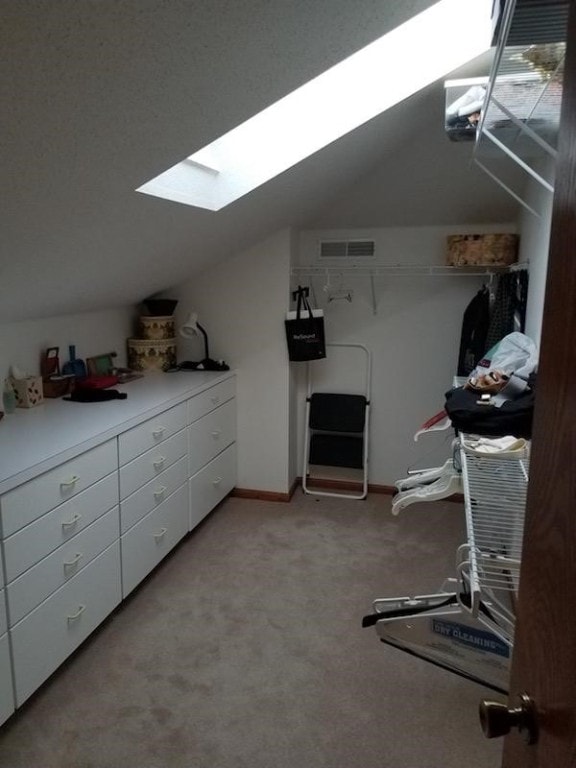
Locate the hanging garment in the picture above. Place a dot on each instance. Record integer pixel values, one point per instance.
(509, 310)
(475, 324)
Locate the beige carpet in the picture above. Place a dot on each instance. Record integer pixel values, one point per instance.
(245, 649)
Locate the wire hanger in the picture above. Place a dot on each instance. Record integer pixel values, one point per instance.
(491, 294)
(336, 294)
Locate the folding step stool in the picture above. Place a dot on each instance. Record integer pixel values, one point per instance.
(337, 427)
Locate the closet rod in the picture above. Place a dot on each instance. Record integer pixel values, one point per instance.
(405, 269)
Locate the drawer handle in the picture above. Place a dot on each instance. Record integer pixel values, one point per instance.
(159, 492)
(215, 399)
(65, 484)
(158, 432)
(216, 434)
(162, 532)
(216, 481)
(159, 462)
(74, 616)
(74, 562)
(70, 523)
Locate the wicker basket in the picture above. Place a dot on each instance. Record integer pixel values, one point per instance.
(482, 250)
(145, 355)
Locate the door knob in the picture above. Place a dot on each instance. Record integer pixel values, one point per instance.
(497, 719)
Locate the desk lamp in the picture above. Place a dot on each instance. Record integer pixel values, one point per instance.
(190, 328)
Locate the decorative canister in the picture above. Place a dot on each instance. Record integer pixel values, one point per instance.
(152, 328)
(151, 355)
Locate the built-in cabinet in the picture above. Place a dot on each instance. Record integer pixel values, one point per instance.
(6, 689)
(78, 535)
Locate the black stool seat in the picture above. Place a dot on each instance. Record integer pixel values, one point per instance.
(337, 413)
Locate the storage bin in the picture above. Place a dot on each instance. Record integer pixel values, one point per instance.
(464, 102)
(151, 355)
(29, 391)
(58, 387)
(153, 328)
(482, 250)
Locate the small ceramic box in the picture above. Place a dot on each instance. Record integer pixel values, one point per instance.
(29, 391)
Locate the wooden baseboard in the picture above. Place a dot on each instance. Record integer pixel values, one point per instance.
(252, 493)
(329, 483)
(346, 485)
(389, 490)
(340, 485)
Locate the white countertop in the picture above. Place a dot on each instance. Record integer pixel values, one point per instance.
(33, 440)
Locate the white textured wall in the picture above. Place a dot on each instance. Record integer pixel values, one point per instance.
(414, 339)
(534, 245)
(423, 245)
(242, 304)
(93, 333)
(294, 470)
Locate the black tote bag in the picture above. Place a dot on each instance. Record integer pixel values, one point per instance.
(305, 331)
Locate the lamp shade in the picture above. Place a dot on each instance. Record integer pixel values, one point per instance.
(190, 326)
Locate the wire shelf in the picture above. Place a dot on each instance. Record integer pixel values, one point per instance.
(399, 270)
(520, 117)
(495, 490)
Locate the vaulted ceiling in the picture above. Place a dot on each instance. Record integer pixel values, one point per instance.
(98, 97)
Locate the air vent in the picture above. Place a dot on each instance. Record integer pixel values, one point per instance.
(347, 249)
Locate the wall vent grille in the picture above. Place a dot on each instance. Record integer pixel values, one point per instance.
(347, 249)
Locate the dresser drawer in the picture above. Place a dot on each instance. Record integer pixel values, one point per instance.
(139, 439)
(211, 434)
(53, 571)
(32, 499)
(152, 463)
(48, 635)
(206, 401)
(150, 540)
(151, 495)
(3, 617)
(6, 690)
(31, 544)
(211, 484)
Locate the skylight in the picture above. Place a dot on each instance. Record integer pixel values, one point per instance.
(382, 74)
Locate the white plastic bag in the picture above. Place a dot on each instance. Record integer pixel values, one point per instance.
(516, 355)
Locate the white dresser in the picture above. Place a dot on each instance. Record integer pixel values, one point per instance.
(92, 498)
(6, 689)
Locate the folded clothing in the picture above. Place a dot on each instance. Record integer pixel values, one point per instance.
(95, 395)
(498, 446)
(470, 102)
(97, 382)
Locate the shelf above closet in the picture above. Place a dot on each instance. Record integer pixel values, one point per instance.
(393, 270)
(520, 118)
(407, 270)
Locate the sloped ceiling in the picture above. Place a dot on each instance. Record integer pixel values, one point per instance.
(98, 97)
